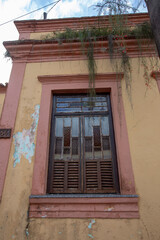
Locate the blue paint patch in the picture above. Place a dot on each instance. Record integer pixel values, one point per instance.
(90, 224)
(24, 141)
(90, 235)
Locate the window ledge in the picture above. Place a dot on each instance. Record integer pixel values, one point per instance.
(84, 206)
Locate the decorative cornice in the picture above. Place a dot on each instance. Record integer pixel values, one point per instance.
(50, 25)
(80, 77)
(120, 207)
(51, 50)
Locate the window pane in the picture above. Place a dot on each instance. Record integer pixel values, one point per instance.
(105, 126)
(59, 127)
(67, 122)
(75, 127)
(88, 126)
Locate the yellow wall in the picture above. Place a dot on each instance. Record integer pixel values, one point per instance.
(144, 133)
(2, 97)
(40, 36)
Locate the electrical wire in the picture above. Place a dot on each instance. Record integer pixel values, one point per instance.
(30, 12)
(53, 6)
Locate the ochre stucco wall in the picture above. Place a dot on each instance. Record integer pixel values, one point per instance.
(2, 97)
(144, 133)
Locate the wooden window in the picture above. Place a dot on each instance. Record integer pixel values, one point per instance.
(82, 148)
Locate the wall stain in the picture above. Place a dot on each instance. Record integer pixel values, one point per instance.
(24, 141)
(90, 224)
(90, 235)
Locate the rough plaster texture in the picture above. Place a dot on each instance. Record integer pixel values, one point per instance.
(24, 141)
(144, 132)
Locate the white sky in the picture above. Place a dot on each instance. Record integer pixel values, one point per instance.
(10, 9)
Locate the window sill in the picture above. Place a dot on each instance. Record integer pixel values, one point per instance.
(84, 206)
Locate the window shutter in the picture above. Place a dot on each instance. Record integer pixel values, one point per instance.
(99, 176)
(66, 177)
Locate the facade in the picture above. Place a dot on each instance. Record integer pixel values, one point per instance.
(74, 166)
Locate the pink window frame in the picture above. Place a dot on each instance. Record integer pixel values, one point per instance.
(78, 84)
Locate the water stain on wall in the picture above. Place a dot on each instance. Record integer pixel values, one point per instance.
(24, 141)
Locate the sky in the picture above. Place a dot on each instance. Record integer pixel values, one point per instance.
(10, 9)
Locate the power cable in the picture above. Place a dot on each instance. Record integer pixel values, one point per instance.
(53, 6)
(30, 12)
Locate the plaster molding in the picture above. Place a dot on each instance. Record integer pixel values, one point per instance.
(50, 50)
(80, 78)
(110, 207)
(50, 25)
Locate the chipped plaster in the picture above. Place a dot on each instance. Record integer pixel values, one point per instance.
(24, 141)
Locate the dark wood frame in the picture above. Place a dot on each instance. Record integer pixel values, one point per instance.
(112, 142)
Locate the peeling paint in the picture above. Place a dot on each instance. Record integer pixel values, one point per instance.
(24, 141)
(90, 235)
(27, 232)
(90, 224)
(109, 209)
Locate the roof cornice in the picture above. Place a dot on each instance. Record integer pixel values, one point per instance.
(51, 25)
(51, 50)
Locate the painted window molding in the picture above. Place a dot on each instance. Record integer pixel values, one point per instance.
(82, 156)
(79, 84)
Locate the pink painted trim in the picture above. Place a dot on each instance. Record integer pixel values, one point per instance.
(79, 83)
(8, 116)
(24, 35)
(84, 207)
(51, 25)
(156, 76)
(38, 50)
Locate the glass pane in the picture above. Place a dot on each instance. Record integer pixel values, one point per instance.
(88, 126)
(75, 127)
(105, 126)
(81, 104)
(67, 122)
(59, 127)
(62, 105)
(68, 109)
(68, 99)
(96, 121)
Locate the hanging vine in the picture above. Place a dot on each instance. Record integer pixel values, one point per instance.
(116, 34)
